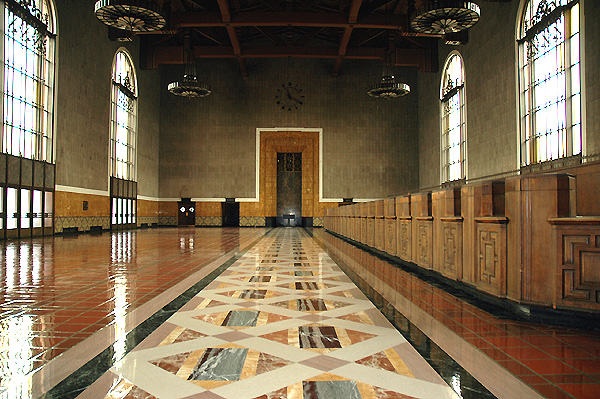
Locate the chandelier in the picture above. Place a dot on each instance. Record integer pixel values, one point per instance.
(132, 15)
(441, 17)
(388, 87)
(189, 87)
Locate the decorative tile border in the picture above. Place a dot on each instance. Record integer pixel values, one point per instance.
(148, 220)
(167, 220)
(209, 221)
(252, 221)
(318, 221)
(83, 223)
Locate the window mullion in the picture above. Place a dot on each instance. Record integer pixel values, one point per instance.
(568, 88)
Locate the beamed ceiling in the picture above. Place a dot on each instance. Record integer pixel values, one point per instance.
(334, 29)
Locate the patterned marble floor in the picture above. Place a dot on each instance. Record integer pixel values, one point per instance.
(283, 321)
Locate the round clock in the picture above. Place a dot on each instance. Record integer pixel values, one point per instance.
(289, 96)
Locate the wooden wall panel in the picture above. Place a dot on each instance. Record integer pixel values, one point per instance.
(490, 250)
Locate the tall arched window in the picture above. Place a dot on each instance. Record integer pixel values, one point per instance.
(27, 109)
(123, 117)
(453, 119)
(123, 138)
(549, 78)
(28, 81)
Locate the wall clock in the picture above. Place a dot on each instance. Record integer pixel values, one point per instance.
(289, 96)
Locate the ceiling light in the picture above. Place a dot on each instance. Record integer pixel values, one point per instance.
(445, 16)
(388, 88)
(189, 87)
(133, 15)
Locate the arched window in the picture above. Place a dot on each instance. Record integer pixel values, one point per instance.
(123, 138)
(123, 117)
(27, 109)
(549, 78)
(28, 81)
(453, 119)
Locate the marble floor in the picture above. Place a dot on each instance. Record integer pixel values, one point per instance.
(259, 313)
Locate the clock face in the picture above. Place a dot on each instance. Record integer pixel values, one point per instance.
(289, 96)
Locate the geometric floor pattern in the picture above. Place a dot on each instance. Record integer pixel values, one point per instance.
(282, 322)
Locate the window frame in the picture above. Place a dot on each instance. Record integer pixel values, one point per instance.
(118, 168)
(41, 131)
(568, 147)
(446, 94)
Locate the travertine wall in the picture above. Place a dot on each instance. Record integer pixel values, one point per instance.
(207, 146)
(84, 62)
(491, 94)
(82, 112)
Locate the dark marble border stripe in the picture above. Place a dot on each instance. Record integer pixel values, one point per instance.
(80, 380)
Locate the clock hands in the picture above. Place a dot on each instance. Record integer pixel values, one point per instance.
(290, 97)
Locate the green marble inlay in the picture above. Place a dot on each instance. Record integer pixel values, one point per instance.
(330, 390)
(241, 318)
(220, 364)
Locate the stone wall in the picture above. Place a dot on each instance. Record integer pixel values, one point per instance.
(208, 146)
(491, 94)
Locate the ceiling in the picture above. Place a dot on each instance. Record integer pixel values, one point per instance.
(335, 29)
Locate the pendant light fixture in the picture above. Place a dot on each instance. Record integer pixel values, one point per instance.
(132, 15)
(388, 87)
(189, 87)
(440, 17)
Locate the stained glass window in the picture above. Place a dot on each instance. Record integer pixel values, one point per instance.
(550, 89)
(453, 121)
(123, 118)
(28, 79)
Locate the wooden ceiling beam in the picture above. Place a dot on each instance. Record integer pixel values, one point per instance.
(174, 54)
(373, 21)
(352, 19)
(233, 37)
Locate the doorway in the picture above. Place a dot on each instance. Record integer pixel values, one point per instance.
(230, 212)
(289, 189)
(187, 212)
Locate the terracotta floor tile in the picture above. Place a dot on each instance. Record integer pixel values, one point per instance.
(552, 392)
(527, 353)
(588, 366)
(582, 391)
(544, 367)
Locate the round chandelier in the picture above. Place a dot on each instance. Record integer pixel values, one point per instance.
(440, 17)
(189, 87)
(388, 88)
(133, 15)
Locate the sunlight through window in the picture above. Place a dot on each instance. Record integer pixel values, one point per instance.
(453, 126)
(550, 81)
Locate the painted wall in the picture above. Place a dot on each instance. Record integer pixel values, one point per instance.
(208, 145)
(491, 93)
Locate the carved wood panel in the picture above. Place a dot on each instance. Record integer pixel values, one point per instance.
(404, 242)
(370, 241)
(363, 230)
(579, 270)
(452, 250)
(424, 243)
(390, 236)
(380, 234)
(491, 258)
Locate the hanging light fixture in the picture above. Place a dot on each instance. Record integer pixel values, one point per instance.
(388, 87)
(132, 15)
(440, 17)
(189, 87)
